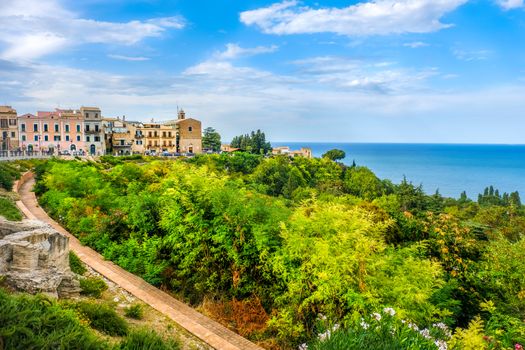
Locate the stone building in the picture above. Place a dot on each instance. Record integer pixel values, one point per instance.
(189, 133)
(9, 139)
(94, 134)
(158, 138)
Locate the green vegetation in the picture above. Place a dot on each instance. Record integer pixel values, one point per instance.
(134, 311)
(307, 239)
(38, 322)
(335, 154)
(211, 140)
(75, 264)
(93, 286)
(255, 142)
(9, 210)
(9, 172)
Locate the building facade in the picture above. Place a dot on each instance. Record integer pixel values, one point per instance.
(118, 135)
(93, 131)
(189, 133)
(9, 137)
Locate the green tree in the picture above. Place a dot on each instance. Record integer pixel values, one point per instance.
(211, 139)
(255, 142)
(335, 154)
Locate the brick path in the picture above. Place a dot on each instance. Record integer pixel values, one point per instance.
(201, 326)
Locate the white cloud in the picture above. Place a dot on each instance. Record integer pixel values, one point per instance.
(38, 28)
(235, 51)
(129, 58)
(415, 44)
(510, 4)
(471, 55)
(378, 17)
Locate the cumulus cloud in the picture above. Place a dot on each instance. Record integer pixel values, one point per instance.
(510, 4)
(378, 17)
(40, 27)
(235, 51)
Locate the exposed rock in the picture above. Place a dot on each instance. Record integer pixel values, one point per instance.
(35, 258)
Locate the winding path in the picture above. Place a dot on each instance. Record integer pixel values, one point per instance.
(211, 332)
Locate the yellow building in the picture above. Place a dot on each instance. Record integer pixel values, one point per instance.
(8, 129)
(189, 133)
(158, 138)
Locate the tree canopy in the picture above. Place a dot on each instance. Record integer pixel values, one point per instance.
(211, 139)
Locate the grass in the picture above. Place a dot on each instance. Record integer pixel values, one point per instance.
(134, 311)
(143, 339)
(75, 264)
(93, 286)
(102, 317)
(9, 210)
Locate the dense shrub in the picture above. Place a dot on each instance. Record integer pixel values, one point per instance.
(9, 210)
(134, 311)
(93, 286)
(75, 264)
(36, 322)
(102, 317)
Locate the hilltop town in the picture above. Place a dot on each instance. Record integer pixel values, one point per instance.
(86, 131)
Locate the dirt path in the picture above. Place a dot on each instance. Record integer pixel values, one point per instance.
(211, 332)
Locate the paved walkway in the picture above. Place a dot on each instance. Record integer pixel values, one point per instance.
(201, 326)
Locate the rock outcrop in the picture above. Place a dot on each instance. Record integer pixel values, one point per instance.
(35, 258)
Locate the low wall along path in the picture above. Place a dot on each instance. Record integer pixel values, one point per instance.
(211, 332)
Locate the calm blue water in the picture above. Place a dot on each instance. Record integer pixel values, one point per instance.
(449, 168)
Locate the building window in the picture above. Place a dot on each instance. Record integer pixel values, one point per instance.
(23, 126)
(36, 138)
(78, 138)
(46, 128)
(87, 115)
(96, 115)
(96, 127)
(12, 121)
(190, 129)
(169, 134)
(164, 134)
(87, 139)
(78, 128)
(149, 133)
(56, 138)
(3, 123)
(23, 137)
(67, 127)
(12, 134)
(57, 129)
(67, 137)
(35, 127)
(46, 138)
(97, 138)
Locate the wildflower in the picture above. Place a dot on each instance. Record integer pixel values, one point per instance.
(324, 336)
(518, 346)
(413, 326)
(321, 317)
(303, 346)
(425, 333)
(376, 316)
(441, 344)
(335, 327)
(364, 325)
(389, 311)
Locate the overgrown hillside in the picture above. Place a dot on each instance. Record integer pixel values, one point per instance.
(305, 252)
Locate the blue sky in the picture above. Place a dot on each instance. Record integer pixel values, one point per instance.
(329, 70)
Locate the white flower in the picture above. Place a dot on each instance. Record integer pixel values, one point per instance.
(441, 344)
(321, 317)
(425, 333)
(324, 336)
(413, 326)
(335, 327)
(303, 346)
(364, 325)
(389, 311)
(376, 316)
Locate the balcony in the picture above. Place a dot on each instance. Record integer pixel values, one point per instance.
(90, 132)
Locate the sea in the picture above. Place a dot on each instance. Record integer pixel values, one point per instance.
(449, 168)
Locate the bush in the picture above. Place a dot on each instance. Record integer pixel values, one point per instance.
(134, 311)
(147, 340)
(75, 264)
(36, 322)
(8, 174)
(102, 317)
(93, 286)
(9, 210)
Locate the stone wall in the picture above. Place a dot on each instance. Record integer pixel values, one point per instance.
(35, 258)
